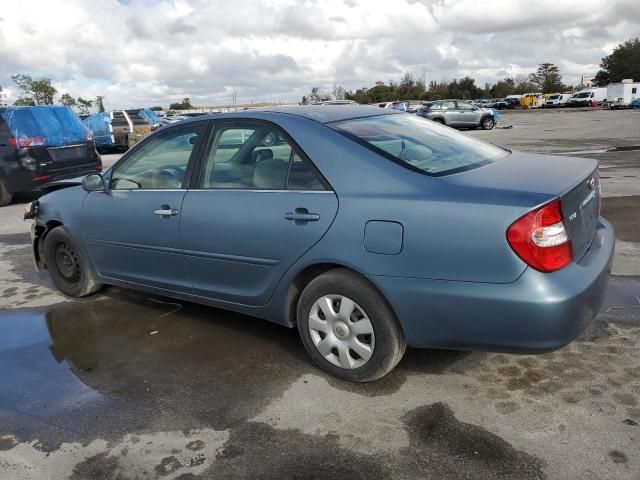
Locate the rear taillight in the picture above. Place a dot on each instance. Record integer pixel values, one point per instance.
(540, 238)
(24, 142)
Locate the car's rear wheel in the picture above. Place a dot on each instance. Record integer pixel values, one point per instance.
(439, 120)
(5, 195)
(69, 270)
(348, 328)
(487, 123)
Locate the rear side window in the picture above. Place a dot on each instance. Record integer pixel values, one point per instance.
(420, 144)
(46, 126)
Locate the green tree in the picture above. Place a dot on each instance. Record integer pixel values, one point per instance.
(623, 62)
(185, 104)
(436, 91)
(67, 100)
(99, 104)
(157, 108)
(502, 88)
(40, 89)
(24, 102)
(547, 78)
(84, 105)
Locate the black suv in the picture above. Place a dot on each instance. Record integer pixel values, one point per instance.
(41, 144)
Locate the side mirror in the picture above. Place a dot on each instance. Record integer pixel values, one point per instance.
(93, 183)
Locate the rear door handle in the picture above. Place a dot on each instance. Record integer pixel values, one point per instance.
(166, 211)
(302, 215)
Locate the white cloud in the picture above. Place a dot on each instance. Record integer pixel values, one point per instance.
(143, 52)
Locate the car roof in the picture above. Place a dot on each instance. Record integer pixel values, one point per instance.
(317, 113)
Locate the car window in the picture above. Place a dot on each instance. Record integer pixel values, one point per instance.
(254, 157)
(465, 106)
(448, 105)
(246, 158)
(302, 176)
(160, 163)
(420, 144)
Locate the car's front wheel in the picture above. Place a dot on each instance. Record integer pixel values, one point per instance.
(69, 270)
(348, 328)
(488, 123)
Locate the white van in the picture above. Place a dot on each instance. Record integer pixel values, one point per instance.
(588, 97)
(620, 95)
(557, 100)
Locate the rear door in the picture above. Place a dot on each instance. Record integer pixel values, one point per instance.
(132, 230)
(257, 205)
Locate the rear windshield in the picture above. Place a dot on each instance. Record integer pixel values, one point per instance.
(420, 144)
(47, 126)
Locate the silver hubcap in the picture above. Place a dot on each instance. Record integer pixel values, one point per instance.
(341, 331)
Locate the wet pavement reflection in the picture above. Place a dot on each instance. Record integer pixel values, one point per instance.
(130, 362)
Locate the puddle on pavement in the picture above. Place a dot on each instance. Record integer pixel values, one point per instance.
(126, 362)
(130, 362)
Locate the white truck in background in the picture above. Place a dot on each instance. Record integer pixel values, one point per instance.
(557, 100)
(620, 95)
(588, 97)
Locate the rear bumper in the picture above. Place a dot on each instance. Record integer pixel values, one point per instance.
(537, 313)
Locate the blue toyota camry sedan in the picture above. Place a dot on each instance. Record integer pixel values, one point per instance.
(367, 229)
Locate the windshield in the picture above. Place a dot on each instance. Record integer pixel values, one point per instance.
(582, 95)
(554, 97)
(420, 144)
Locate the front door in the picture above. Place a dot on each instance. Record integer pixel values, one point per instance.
(132, 230)
(467, 114)
(258, 206)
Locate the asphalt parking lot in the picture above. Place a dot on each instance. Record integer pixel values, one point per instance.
(124, 385)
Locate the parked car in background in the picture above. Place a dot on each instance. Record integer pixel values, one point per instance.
(459, 114)
(401, 106)
(443, 241)
(588, 97)
(40, 144)
(121, 129)
(498, 103)
(635, 103)
(169, 119)
(621, 95)
(557, 100)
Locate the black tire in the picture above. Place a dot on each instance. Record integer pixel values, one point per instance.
(439, 120)
(487, 123)
(390, 343)
(68, 269)
(5, 195)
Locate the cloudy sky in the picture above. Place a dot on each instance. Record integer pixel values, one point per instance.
(150, 52)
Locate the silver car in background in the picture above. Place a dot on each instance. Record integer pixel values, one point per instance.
(460, 114)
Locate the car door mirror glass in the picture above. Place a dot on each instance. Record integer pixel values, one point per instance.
(93, 183)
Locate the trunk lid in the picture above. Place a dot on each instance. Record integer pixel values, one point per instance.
(573, 180)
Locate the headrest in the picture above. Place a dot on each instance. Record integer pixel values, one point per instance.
(261, 155)
(270, 174)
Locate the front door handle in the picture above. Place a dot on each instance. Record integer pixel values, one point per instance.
(166, 211)
(302, 216)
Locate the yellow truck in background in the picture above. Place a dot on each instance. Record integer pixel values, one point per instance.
(532, 100)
